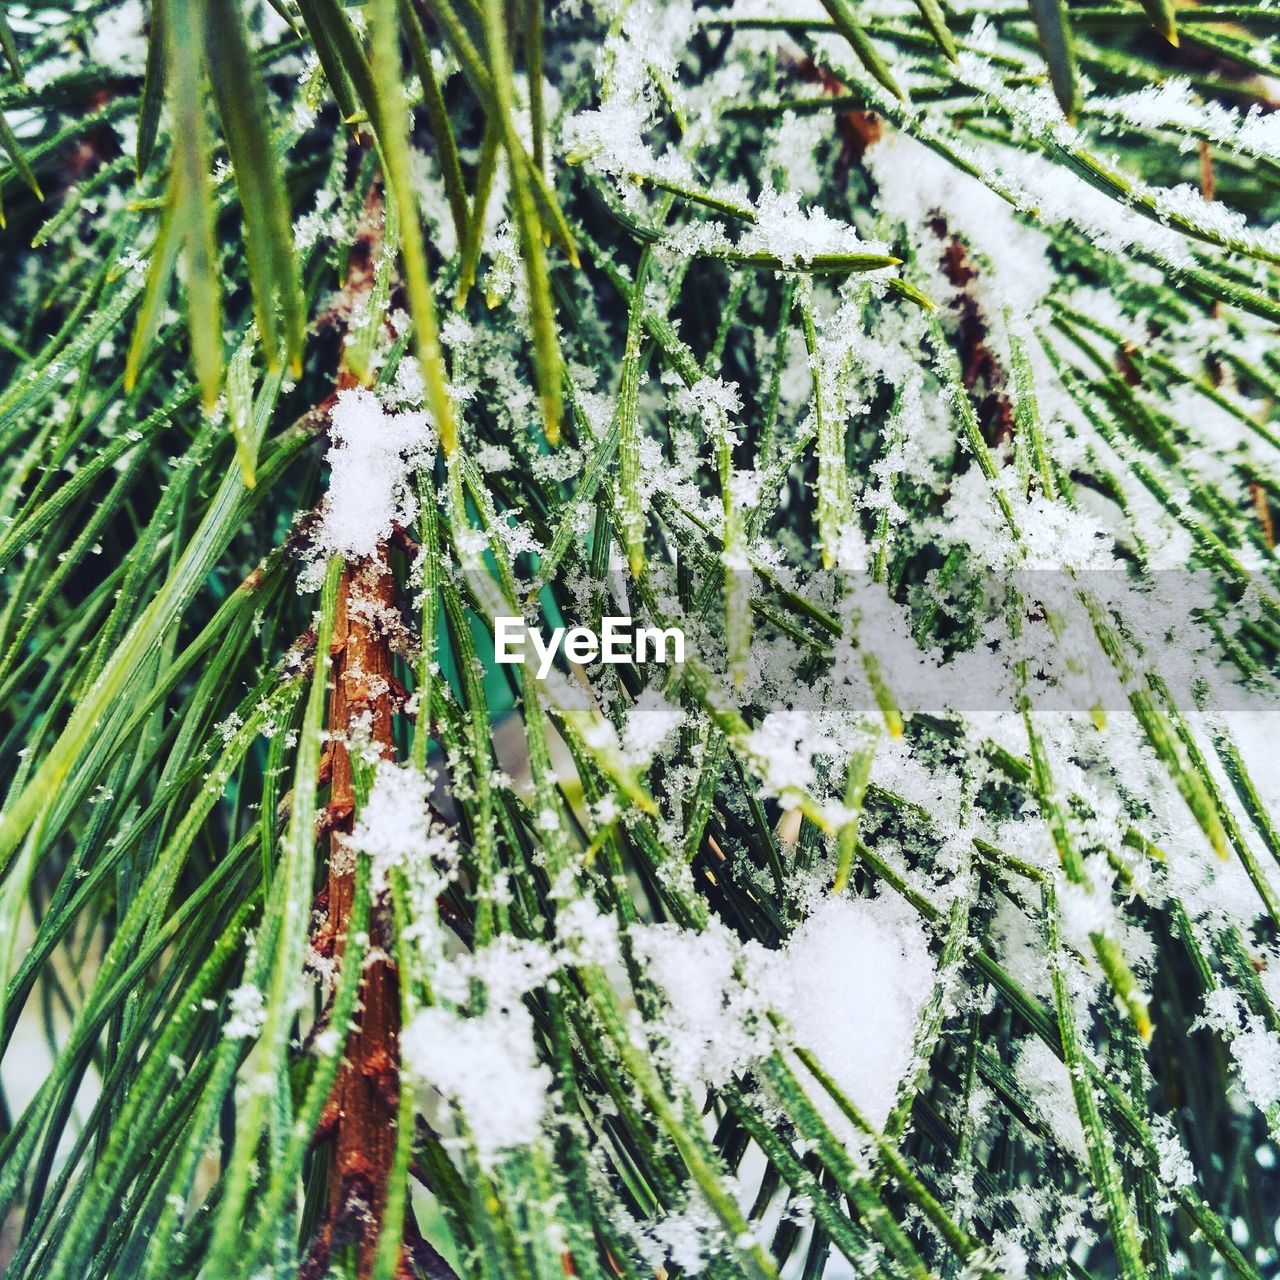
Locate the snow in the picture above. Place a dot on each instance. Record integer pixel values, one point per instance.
(488, 1066)
(1257, 1055)
(849, 985)
(486, 1061)
(372, 457)
(587, 933)
(394, 826)
(915, 184)
(611, 138)
(715, 989)
(711, 399)
(782, 746)
(1044, 1077)
(117, 38)
(650, 722)
(852, 983)
(706, 1026)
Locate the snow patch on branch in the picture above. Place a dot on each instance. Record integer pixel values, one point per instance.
(849, 986)
(372, 457)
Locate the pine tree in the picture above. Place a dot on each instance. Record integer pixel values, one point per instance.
(909, 909)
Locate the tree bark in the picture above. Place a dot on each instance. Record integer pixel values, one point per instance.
(360, 1119)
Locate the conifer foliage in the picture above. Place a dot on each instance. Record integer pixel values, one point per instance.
(916, 362)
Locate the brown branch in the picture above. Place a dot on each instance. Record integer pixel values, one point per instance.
(360, 1117)
(984, 377)
(365, 1092)
(1262, 505)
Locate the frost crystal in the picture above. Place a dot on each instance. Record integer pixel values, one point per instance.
(248, 1013)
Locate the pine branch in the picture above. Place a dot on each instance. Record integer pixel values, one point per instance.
(916, 372)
